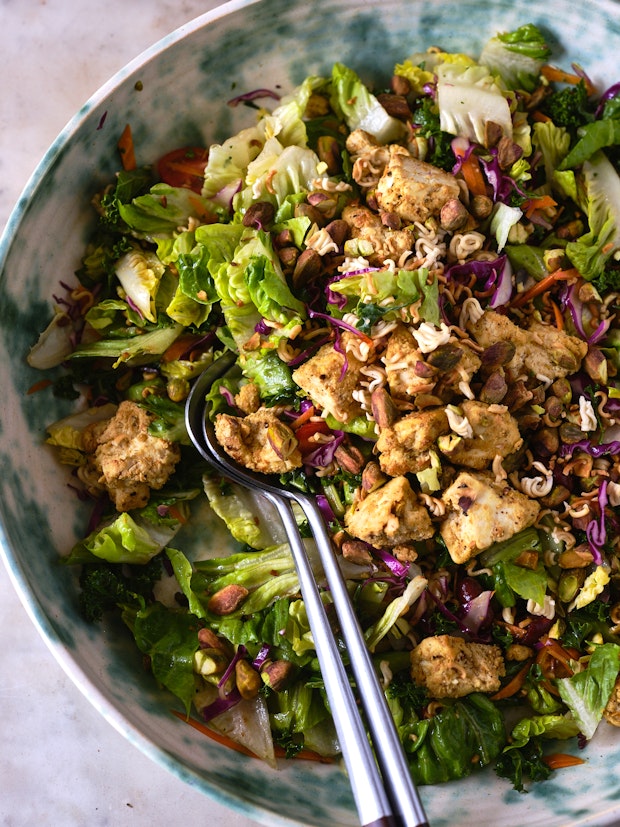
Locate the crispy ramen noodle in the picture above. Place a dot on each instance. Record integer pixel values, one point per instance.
(464, 245)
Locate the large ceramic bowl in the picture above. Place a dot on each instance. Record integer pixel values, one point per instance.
(175, 94)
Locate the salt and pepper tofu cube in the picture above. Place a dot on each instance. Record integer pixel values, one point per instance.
(449, 667)
(390, 516)
(482, 511)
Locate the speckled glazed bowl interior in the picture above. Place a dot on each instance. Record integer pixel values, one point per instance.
(173, 95)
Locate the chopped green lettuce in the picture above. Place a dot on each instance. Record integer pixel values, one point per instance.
(586, 693)
(360, 108)
(517, 56)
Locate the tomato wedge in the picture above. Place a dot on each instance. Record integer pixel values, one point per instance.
(306, 431)
(184, 167)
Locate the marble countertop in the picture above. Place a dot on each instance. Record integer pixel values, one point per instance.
(61, 763)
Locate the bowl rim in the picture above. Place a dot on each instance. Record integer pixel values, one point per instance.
(38, 617)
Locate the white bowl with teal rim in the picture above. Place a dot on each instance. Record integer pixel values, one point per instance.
(173, 95)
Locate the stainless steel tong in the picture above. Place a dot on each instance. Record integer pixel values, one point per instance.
(382, 786)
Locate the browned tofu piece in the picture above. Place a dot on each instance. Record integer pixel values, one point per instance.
(449, 667)
(390, 516)
(402, 358)
(386, 243)
(259, 441)
(404, 447)
(329, 386)
(480, 512)
(129, 460)
(542, 350)
(495, 433)
(414, 189)
(611, 713)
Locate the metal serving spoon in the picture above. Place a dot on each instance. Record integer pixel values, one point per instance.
(385, 795)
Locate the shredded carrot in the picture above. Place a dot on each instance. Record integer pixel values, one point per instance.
(532, 205)
(39, 386)
(176, 514)
(557, 316)
(515, 684)
(555, 75)
(126, 149)
(303, 417)
(540, 117)
(224, 740)
(543, 285)
(472, 173)
(558, 760)
(180, 346)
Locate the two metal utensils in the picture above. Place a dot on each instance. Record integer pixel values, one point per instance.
(382, 786)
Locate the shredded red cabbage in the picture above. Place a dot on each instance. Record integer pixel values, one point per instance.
(609, 94)
(261, 657)
(322, 456)
(221, 705)
(395, 566)
(594, 450)
(241, 652)
(254, 95)
(326, 509)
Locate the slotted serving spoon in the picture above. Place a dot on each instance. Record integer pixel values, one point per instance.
(381, 782)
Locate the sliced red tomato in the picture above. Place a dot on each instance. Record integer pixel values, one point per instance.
(304, 433)
(184, 167)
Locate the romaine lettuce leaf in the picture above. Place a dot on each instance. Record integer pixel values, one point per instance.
(586, 693)
(360, 108)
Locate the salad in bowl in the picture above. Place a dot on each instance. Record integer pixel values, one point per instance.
(420, 284)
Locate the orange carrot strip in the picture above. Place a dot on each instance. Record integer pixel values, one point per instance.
(39, 386)
(555, 75)
(557, 315)
(126, 149)
(176, 514)
(558, 760)
(224, 740)
(540, 117)
(303, 417)
(543, 285)
(534, 204)
(515, 684)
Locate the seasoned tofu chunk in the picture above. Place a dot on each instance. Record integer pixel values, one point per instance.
(330, 386)
(404, 447)
(480, 512)
(259, 441)
(413, 189)
(130, 462)
(390, 516)
(449, 667)
(494, 432)
(541, 350)
(402, 361)
(611, 712)
(386, 242)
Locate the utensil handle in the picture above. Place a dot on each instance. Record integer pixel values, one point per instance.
(388, 748)
(369, 793)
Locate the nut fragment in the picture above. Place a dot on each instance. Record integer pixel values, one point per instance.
(395, 105)
(595, 365)
(227, 600)
(307, 268)
(508, 152)
(247, 679)
(349, 458)
(383, 408)
(276, 674)
(259, 215)
(498, 354)
(356, 551)
(453, 215)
